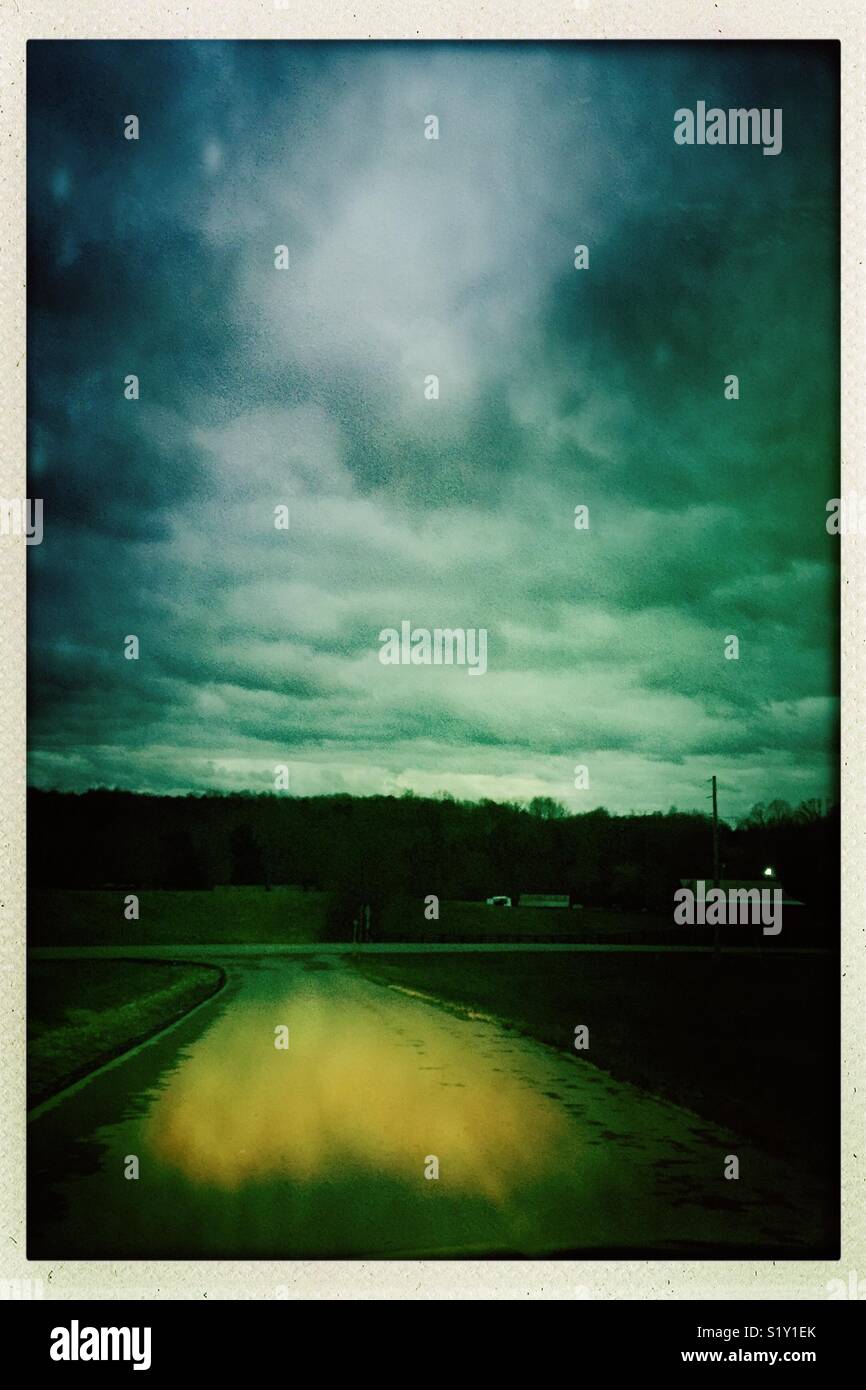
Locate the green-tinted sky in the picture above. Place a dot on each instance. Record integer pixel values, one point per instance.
(306, 387)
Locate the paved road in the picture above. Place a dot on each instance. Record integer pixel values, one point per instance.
(239, 949)
(246, 1149)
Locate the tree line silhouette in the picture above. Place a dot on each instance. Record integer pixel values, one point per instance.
(373, 847)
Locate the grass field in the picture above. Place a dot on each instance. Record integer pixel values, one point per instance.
(126, 1001)
(255, 916)
(294, 916)
(751, 1043)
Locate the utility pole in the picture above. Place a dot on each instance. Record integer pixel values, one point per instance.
(715, 861)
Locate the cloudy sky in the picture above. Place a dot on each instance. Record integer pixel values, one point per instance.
(558, 387)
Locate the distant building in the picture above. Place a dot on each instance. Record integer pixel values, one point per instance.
(543, 900)
(745, 885)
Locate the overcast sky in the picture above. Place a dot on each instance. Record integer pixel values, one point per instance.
(558, 387)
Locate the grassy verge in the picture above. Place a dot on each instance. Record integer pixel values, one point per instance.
(254, 916)
(751, 1042)
(80, 1014)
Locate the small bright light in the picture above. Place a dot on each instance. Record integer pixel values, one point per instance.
(769, 872)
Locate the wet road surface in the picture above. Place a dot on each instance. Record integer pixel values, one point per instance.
(248, 1149)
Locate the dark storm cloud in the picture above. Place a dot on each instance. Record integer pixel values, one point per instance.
(408, 257)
